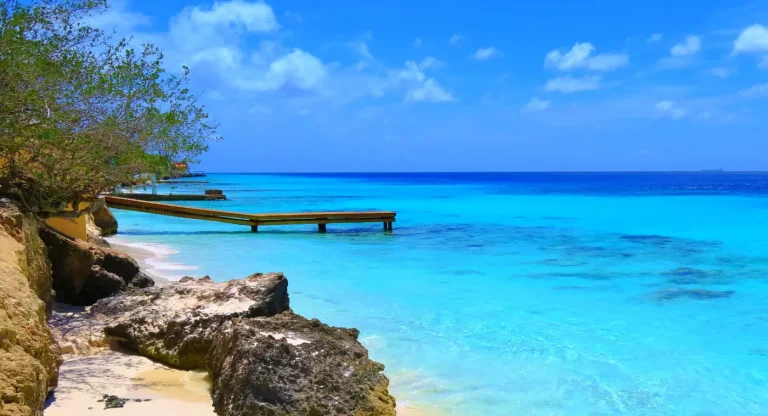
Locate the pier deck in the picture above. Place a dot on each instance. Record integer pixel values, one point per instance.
(254, 220)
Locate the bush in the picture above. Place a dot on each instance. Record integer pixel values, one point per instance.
(80, 113)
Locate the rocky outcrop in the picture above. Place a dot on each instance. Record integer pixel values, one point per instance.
(93, 231)
(84, 273)
(29, 357)
(263, 359)
(175, 323)
(103, 218)
(289, 365)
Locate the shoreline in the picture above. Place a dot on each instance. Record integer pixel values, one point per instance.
(144, 256)
(152, 258)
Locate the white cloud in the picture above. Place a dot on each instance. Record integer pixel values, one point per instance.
(431, 62)
(569, 84)
(214, 96)
(668, 109)
(536, 105)
(411, 72)
(430, 91)
(412, 77)
(118, 18)
(295, 17)
(580, 56)
(196, 29)
(759, 90)
(260, 109)
(675, 62)
(455, 39)
(483, 54)
(753, 39)
(362, 48)
(253, 16)
(722, 72)
(690, 46)
(417, 42)
(655, 37)
(212, 40)
(298, 69)
(222, 57)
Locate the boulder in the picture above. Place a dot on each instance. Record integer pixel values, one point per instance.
(100, 284)
(103, 218)
(29, 356)
(141, 281)
(84, 273)
(93, 231)
(289, 365)
(175, 323)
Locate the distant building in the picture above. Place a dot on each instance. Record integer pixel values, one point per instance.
(182, 166)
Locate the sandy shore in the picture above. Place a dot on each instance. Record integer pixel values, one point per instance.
(141, 256)
(163, 391)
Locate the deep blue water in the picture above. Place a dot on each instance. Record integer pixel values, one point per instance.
(516, 293)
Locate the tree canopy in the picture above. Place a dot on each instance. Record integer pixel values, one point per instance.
(81, 112)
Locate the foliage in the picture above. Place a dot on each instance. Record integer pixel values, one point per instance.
(80, 113)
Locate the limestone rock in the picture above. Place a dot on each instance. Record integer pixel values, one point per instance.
(84, 273)
(288, 365)
(175, 323)
(141, 281)
(93, 231)
(103, 218)
(29, 357)
(100, 284)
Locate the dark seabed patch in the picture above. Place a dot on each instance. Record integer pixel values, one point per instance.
(656, 240)
(561, 262)
(763, 352)
(692, 276)
(597, 288)
(698, 294)
(467, 273)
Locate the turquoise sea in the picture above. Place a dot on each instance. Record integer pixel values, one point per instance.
(516, 293)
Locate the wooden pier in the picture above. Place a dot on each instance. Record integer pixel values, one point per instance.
(322, 219)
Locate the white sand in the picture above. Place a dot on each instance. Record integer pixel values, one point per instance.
(83, 380)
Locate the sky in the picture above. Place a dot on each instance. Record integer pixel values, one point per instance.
(368, 86)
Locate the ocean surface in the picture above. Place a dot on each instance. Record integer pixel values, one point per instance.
(515, 293)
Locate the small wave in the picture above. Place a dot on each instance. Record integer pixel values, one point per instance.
(157, 260)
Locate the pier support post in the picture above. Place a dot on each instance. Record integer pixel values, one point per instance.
(387, 226)
(322, 228)
(255, 228)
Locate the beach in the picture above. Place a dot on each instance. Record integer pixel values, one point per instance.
(84, 379)
(152, 389)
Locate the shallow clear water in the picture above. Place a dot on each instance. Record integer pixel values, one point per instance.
(517, 294)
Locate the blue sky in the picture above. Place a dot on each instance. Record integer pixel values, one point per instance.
(335, 86)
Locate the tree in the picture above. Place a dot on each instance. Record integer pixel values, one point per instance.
(80, 113)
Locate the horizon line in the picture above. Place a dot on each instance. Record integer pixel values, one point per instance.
(710, 171)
